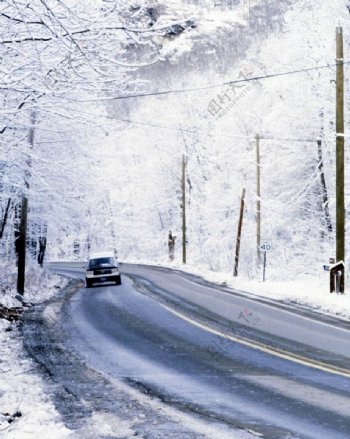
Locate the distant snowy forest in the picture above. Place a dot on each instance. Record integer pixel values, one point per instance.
(100, 100)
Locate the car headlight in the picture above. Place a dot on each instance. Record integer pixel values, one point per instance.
(89, 273)
(114, 270)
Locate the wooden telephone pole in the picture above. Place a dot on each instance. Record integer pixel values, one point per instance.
(258, 198)
(340, 196)
(184, 231)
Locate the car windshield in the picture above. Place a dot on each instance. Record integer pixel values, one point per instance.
(101, 262)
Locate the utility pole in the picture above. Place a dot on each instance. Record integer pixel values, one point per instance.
(258, 198)
(340, 196)
(21, 241)
(183, 184)
(239, 234)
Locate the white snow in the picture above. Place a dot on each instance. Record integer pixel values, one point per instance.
(22, 390)
(105, 424)
(40, 284)
(142, 166)
(121, 181)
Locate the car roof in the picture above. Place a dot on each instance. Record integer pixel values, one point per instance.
(97, 255)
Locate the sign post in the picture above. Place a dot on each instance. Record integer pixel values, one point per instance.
(265, 247)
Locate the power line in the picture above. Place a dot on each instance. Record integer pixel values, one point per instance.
(196, 130)
(211, 86)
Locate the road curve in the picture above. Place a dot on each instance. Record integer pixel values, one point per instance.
(185, 342)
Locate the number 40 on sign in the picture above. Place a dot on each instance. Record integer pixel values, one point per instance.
(265, 247)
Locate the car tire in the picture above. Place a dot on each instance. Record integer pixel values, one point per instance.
(88, 284)
(118, 280)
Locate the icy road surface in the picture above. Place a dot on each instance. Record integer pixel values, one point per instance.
(155, 334)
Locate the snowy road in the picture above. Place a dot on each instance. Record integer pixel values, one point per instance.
(230, 369)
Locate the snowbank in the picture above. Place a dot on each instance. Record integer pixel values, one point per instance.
(26, 411)
(309, 292)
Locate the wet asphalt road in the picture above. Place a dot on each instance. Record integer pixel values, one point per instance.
(130, 333)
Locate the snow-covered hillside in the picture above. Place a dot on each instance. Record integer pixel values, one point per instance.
(216, 127)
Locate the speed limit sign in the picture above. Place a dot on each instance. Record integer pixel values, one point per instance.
(265, 247)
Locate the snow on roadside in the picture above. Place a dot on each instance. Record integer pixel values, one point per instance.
(309, 292)
(40, 285)
(26, 411)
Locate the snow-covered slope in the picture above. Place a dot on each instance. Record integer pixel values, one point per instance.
(216, 129)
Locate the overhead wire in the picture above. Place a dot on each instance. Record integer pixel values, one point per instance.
(196, 130)
(217, 85)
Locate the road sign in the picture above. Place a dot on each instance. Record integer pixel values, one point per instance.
(265, 247)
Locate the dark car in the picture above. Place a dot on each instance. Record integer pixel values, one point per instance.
(102, 268)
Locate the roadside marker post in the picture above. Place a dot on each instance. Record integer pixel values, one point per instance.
(265, 247)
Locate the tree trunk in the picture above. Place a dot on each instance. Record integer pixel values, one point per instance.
(324, 189)
(4, 221)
